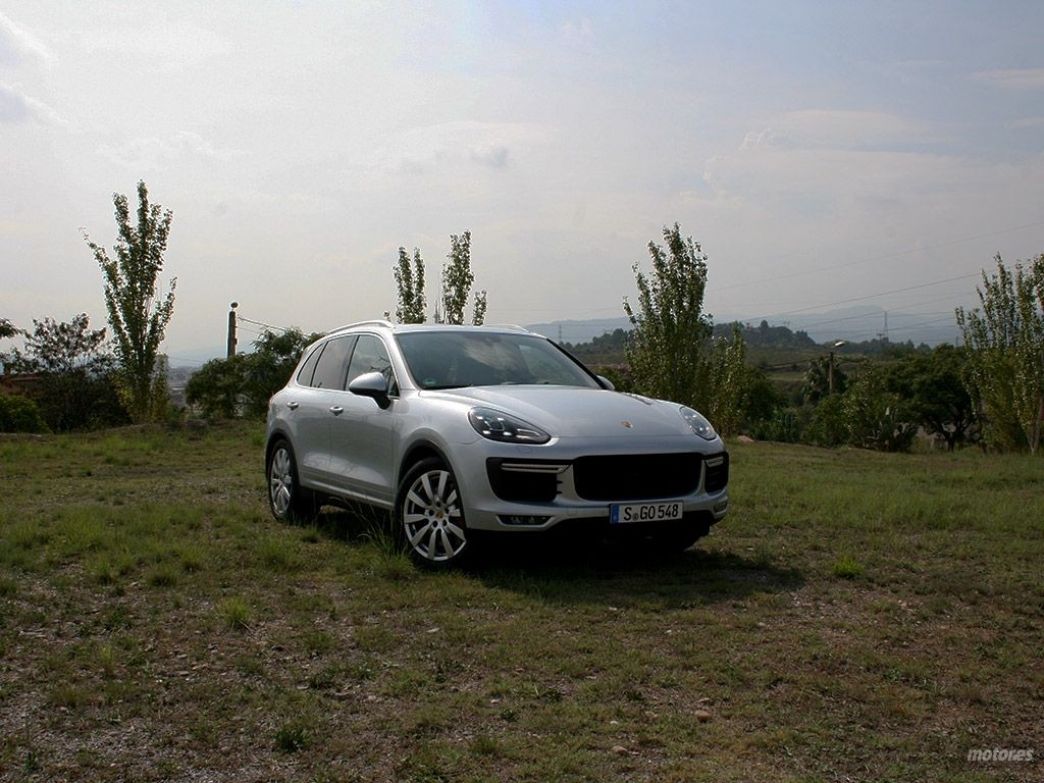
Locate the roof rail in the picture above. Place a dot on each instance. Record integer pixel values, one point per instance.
(511, 327)
(372, 322)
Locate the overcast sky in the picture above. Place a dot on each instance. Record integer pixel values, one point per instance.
(821, 152)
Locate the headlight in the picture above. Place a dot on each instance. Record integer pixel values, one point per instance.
(698, 423)
(504, 427)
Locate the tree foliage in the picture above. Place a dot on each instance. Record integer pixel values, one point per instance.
(243, 384)
(731, 380)
(58, 347)
(20, 414)
(457, 279)
(77, 386)
(877, 417)
(269, 367)
(217, 387)
(669, 342)
(933, 384)
(816, 384)
(137, 317)
(410, 282)
(7, 329)
(1005, 340)
(670, 352)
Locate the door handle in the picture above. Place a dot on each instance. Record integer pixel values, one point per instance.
(292, 405)
(336, 410)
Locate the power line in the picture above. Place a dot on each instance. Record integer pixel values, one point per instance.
(185, 360)
(262, 323)
(886, 256)
(846, 264)
(872, 296)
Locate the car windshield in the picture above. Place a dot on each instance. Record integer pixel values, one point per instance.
(449, 360)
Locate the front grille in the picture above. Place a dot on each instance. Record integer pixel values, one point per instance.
(636, 477)
(524, 481)
(717, 472)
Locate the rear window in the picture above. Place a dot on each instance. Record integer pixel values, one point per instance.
(304, 375)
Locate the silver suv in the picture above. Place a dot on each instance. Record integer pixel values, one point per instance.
(460, 429)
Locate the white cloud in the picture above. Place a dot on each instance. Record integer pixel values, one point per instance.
(491, 145)
(1013, 78)
(835, 129)
(1028, 122)
(18, 45)
(13, 106)
(156, 152)
(16, 107)
(174, 44)
(578, 33)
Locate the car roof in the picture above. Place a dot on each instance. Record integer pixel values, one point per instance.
(380, 325)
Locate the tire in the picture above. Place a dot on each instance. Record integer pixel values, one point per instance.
(287, 499)
(429, 516)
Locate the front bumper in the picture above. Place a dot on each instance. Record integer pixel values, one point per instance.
(485, 510)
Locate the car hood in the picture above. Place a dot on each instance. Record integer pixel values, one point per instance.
(571, 412)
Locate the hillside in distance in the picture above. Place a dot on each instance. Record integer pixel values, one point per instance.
(853, 324)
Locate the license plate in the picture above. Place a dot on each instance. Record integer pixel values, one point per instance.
(621, 514)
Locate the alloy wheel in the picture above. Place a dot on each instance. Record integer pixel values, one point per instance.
(281, 482)
(432, 519)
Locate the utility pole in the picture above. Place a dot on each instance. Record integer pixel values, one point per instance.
(231, 344)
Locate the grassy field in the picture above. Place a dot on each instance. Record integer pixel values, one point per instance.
(858, 617)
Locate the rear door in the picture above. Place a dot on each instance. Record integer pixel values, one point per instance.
(318, 404)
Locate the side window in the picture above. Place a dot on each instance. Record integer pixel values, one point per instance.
(371, 356)
(329, 372)
(304, 377)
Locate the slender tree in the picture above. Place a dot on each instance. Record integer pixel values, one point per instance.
(410, 282)
(457, 279)
(1005, 339)
(137, 317)
(670, 352)
(478, 315)
(668, 347)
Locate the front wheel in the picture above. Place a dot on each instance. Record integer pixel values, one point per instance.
(430, 515)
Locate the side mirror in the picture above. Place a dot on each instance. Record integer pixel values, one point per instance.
(606, 383)
(371, 384)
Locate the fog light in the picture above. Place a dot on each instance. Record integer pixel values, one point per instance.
(522, 519)
(720, 507)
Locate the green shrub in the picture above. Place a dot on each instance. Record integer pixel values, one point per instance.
(783, 427)
(828, 425)
(20, 414)
(877, 418)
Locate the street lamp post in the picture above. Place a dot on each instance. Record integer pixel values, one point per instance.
(837, 344)
(232, 339)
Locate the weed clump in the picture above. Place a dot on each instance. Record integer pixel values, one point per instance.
(235, 612)
(292, 737)
(847, 567)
